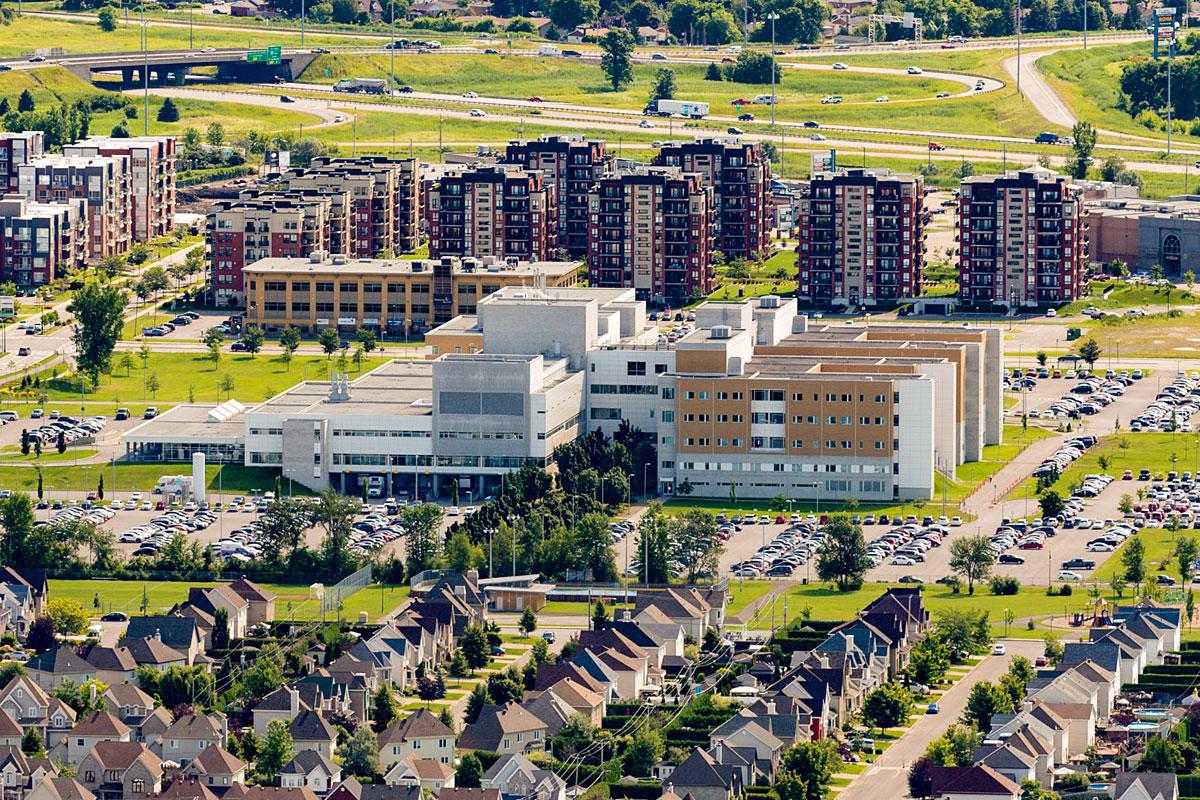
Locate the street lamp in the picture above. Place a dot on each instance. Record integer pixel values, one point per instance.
(773, 16)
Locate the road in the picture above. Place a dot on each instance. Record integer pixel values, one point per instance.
(1037, 91)
(887, 777)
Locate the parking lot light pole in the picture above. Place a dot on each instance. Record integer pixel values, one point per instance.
(772, 16)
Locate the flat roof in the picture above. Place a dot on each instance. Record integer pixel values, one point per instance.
(395, 388)
(189, 422)
(385, 267)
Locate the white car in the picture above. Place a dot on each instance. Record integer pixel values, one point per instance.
(998, 649)
(914, 71)
(817, 137)
(956, 521)
(470, 95)
(1069, 575)
(840, 65)
(902, 561)
(883, 98)
(478, 112)
(1050, 312)
(645, 124)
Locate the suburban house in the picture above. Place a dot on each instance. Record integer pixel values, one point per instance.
(113, 665)
(59, 665)
(1146, 786)
(261, 602)
(189, 736)
(120, 771)
(421, 734)
(311, 731)
(176, 631)
(507, 729)
(312, 769)
(427, 773)
(973, 783)
(514, 776)
(217, 769)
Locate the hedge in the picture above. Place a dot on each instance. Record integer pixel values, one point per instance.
(643, 790)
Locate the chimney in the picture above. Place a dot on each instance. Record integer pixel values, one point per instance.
(473, 576)
(158, 634)
(92, 691)
(771, 708)
(719, 752)
(293, 700)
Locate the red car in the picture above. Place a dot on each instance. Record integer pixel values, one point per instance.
(741, 101)
(781, 519)
(947, 46)
(1127, 475)
(536, 99)
(727, 60)
(936, 147)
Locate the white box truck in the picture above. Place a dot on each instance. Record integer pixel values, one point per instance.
(549, 50)
(684, 108)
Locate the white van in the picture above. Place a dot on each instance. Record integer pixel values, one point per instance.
(766, 100)
(549, 50)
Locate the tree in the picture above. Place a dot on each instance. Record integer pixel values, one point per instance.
(653, 545)
(617, 61)
(1186, 550)
(422, 536)
(843, 554)
(328, 339)
(713, 73)
(168, 111)
(41, 635)
(60, 442)
(754, 66)
(1090, 351)
(528, 621)
(696, 544)
(289, 340)
(664, 85)
(276, 751)
(152, 384)
(220, 634)
(99, 312)
(599, 615)
(475, 648)
(1042, 358)
(1051, 504)
(215, 135)
(807, 770)
(69, 617)
(1161, 755)
(569, 14)
(281, 526)
(31, 743)
(335, 514)
(971, 557)
(366, 338)
(1084, 135)
(213, 339)
(1133, 559)
(25, 103)
(575, 734)
(644, 751)
(920, 778)
(985, 701)
(253, 338)
(476, 700)
(385, 709)
(887, 707)
(469, 774)
(928, 660)
(107, 20)
(359, 754)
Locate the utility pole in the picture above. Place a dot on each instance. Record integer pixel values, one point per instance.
(392, 48)
(1085, 4)
(1170, 106)
(1018, 47)
(146, 77)
(301, 23)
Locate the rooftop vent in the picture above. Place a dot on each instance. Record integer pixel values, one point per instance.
(720, 332)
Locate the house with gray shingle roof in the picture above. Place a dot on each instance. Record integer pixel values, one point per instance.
(507, 729)
(516, 778)
(59, 664)
(312, 769)
(1146, 786)
(175, 631)
(191, 735)
(311, 731)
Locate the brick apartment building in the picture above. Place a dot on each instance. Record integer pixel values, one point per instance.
(1021, 239)
(573, 164)
(103, 181)
(500, 211)
(17, 149)
(740, 177)
(41, 241)
(652, 230)
(862, 238)
(269, 225)
(384, 199)
(152, 178)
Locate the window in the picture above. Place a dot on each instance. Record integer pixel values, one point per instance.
(635, 368)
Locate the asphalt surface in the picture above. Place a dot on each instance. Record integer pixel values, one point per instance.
(888, 776)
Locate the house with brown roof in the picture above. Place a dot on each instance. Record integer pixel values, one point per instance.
(223, 597)
(113, 665)
(182, 787)
(217, 769)
(580, 699)
(278, 793)
(311, 731)
(19, 772)
(972, 783)
(421, 734)
(154, 726)
(114, 770)
(427, 773)
(10, 732)
(189, 736)
(26, 702)
(152, 652)
(129, 704)
(53, 788)
(261, 602)
(696, 609)
(506, 729)
(456, 793)
(96, 727)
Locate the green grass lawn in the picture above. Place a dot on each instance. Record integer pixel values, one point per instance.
(1159, 544)
(1157, 452)
(13, 454)
(572, 81)
(192, 377)
(292, 600)
(1154, 336)
(743, 593)
(122, 477)
(1127, 295)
